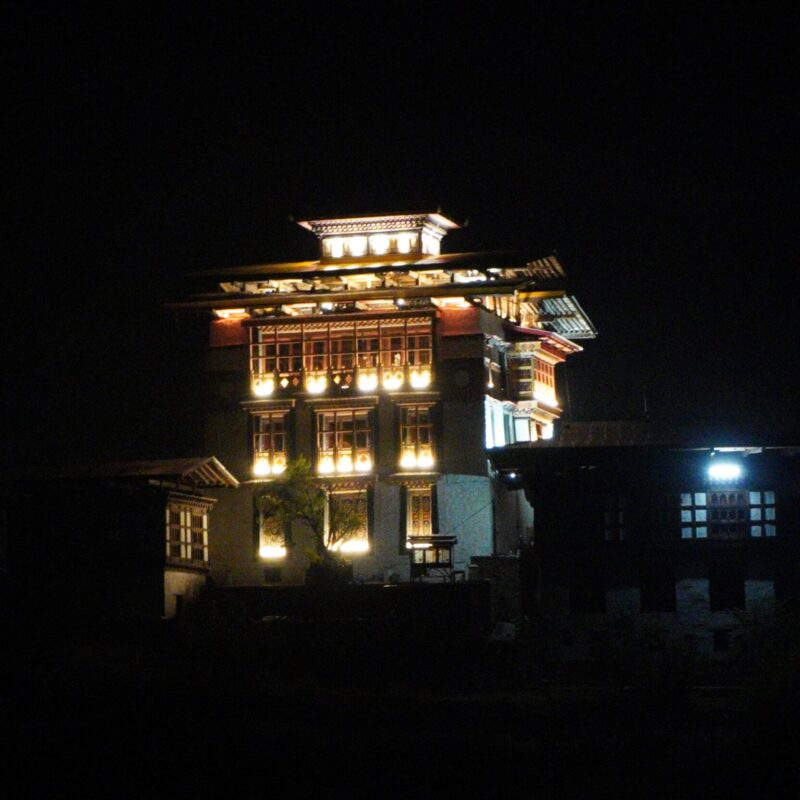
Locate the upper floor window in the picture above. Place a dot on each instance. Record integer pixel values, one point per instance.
(344, 441)
(377, 244)
(393, 353)
(269, 443)
(416, 437)
(544, 381)
(187, 532)
(694, 515)
(419, 513)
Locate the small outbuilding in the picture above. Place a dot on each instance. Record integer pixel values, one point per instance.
(123, 540)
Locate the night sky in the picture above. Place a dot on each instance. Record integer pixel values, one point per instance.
(650, 151)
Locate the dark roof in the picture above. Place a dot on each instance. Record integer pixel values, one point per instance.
(645, 433)
(198, 472)
(543, 268)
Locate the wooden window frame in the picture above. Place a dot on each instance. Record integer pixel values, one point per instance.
(331, 441)
(187, 532)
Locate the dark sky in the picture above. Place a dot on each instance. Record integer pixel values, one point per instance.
(650, 150)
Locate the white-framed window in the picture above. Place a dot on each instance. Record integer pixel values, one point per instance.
(694, 515)
(728, 514)
(762, 513)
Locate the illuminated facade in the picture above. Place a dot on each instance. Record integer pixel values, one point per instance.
(392, 367)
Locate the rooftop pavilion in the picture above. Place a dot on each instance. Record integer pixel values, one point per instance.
(380, 235)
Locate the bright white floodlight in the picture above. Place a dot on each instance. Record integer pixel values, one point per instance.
(724, 471)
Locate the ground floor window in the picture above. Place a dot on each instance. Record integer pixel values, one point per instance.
(419, 512)
(348, 521)
(271, 537)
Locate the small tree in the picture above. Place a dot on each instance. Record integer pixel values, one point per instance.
(295, 495)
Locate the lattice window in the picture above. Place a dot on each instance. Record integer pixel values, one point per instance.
(762, 514)
(419, 346)
(419, 513)
(367, 347)
(694, 515)
(269, 443)
(289, 350)
(727, 514)
(344, 441)
(544, 375)
(520, 378)
(416, 437)
(187, 532)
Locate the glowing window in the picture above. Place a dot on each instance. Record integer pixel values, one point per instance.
(348, 522)
(187, 532)
(379, 244)
(419, 513)
(269, 443)
(344, 441)
(271, 538)
(357, 245)
(416, 438)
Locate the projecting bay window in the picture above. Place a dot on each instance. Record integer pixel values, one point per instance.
(269, 444)
(416, 438)
(392, 353)
(344, 442)
(520, 378)
(276, 359)
(187, 532)
(544, 381)
(348, 521)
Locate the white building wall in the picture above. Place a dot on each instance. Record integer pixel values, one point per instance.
(465, 511)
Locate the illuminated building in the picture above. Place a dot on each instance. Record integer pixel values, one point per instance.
(392, 367)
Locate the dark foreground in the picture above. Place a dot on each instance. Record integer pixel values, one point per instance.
(282, 710)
